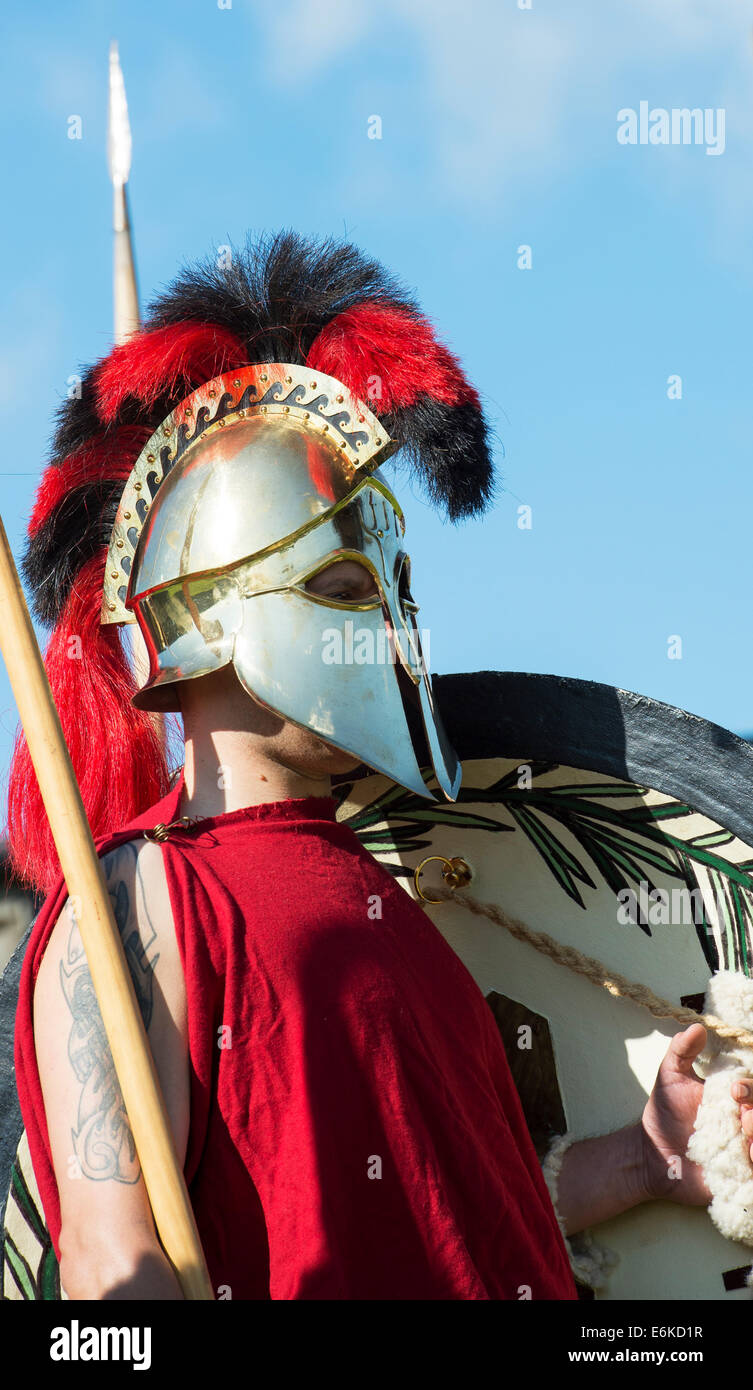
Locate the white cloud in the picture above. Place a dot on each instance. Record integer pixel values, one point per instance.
(311, 34)
(692, 24)
(509, 90)
(180, 99)
(67, 82)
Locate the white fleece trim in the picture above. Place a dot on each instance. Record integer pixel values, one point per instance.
(590, 1262)
(717, 1142)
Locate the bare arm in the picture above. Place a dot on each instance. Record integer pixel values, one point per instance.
(602, 1177)
(108, 1246)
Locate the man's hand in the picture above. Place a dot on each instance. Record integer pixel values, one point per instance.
(602, 1177)
(668, 1120)
(742, 1091)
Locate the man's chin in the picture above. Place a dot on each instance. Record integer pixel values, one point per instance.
(338, 762)
(323, 761)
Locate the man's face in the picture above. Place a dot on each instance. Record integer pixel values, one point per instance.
(345, 581)
(300, 749)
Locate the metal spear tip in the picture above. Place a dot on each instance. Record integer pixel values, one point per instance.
(118, 128)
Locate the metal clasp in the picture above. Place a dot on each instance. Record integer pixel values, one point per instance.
(456, 874)
(161, 831)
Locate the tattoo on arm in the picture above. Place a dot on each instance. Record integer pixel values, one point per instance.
(102, 1139)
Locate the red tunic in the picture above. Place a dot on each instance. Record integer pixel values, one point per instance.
(355, 1132)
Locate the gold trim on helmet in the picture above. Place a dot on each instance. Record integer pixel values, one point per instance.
(319, 403)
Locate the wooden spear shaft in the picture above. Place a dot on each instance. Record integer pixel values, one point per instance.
(134, 1065)
(125, 293)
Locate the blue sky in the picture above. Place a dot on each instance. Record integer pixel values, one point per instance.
(499, 129)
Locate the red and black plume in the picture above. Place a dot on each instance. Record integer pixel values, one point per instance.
(283, 299)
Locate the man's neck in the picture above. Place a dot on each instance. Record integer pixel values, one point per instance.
(224, 772)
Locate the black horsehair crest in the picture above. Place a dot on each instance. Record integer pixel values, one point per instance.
(276, 297)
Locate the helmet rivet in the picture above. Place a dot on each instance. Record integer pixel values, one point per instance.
(111, 607)
(339, 399)
(137, 486)
(168, 429)
(380, 533)
(362, 419)
(237, 381)
(119, 544)
(288, 379)
(264, 410)
(307, 414)
(325, 428)
(150, 458)
(113, 575)
(264, 377)
(189, 410)
(127, 516)
(312, 384)
(286, 410)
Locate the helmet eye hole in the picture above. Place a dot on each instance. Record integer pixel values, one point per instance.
(344, 581)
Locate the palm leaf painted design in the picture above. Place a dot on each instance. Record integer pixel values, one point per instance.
(624, 846)
(418, 818)
(30, 1270)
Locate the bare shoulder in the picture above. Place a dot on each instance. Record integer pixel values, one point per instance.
(137, 886)
(135, 876)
